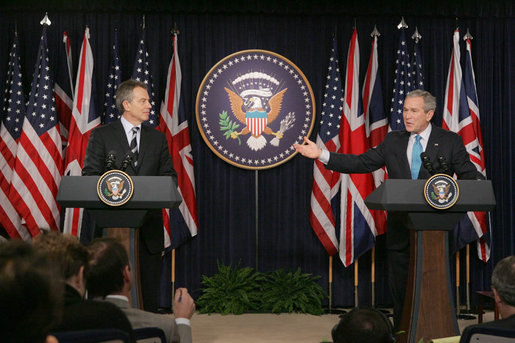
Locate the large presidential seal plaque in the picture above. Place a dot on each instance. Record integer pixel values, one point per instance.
(252, 106)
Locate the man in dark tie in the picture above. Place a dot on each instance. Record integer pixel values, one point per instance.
(149, 155)
(400, 153)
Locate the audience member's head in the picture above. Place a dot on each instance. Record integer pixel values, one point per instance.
(68, 254)
(363, 325)
(503, 285)
(30, 294)
(110, 270)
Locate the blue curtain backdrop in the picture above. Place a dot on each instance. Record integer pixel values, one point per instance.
(300, 31)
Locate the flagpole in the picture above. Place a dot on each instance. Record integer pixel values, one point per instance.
(373, 276)
(257, 215)
(356, 283)
(173, 276)
(458, 283)
(330, 284)
(467, 262)
(467, 276)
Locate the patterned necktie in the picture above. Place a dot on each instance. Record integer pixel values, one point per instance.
(416, 161)
(134, 145)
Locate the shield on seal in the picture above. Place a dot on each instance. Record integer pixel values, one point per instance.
(256, 121)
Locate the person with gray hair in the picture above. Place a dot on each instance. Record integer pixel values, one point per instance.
(401, 153)
(130, 138)
(503, 286)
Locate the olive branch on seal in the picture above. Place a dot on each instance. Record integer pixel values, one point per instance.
(227, 126)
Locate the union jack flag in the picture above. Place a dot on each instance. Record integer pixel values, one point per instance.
(461, 115)
(141, 72)
(473, 140)
(403, 84)
(183, 222)
(39, 164)
(63, 89)
(357, 228)
(111, 112)
(327, 182)
(376, 123)
(13, 112)
(84, 119)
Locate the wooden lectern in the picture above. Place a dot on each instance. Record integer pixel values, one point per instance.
(429, 306)
(150, 192)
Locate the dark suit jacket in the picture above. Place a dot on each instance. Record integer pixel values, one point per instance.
(80, 314)
(392, 154)
(506, 323)
(153, 159)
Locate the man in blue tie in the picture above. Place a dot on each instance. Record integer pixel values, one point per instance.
(400, 153)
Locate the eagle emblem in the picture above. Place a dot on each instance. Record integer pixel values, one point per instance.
(256, 109)
(252, 106)
(115, 187)
(441, 190)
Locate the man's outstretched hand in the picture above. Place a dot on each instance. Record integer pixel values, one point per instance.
(309, 149)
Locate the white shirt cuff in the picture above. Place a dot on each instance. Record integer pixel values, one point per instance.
(184, 321)
(324, 156)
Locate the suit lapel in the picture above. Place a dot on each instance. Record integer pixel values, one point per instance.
(144, 144)
(403, 159)
(433, 144)
(121, 137)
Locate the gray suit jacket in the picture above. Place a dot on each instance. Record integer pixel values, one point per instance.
(141, 319)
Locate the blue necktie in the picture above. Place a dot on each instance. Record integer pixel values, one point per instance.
(416, 161)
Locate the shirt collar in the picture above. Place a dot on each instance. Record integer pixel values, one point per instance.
(424, 134)
(127, 126)
(120, 297)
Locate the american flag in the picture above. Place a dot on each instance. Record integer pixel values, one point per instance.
(357, 228)
(63, 89)
(141, 72)
(84, 119)
(13, 112)
(402, 83)
(111, 112)
(417, 72)
(183, 223)
(376, 123)
(326, 182)
(461, 115)
(39, 164)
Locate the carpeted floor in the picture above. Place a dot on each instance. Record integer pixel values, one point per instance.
(270, 328)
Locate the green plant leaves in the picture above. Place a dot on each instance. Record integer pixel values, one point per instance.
(238, 290)
(227, 126)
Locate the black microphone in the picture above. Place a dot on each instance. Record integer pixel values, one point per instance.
(426, 162)
(443, 165)
(111, 158)
(126, 161)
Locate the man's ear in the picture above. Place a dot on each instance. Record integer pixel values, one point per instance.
(125, 105)
(497, 298)
(127, 273)
(430, 115)
(51, 339)
(81, 277)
